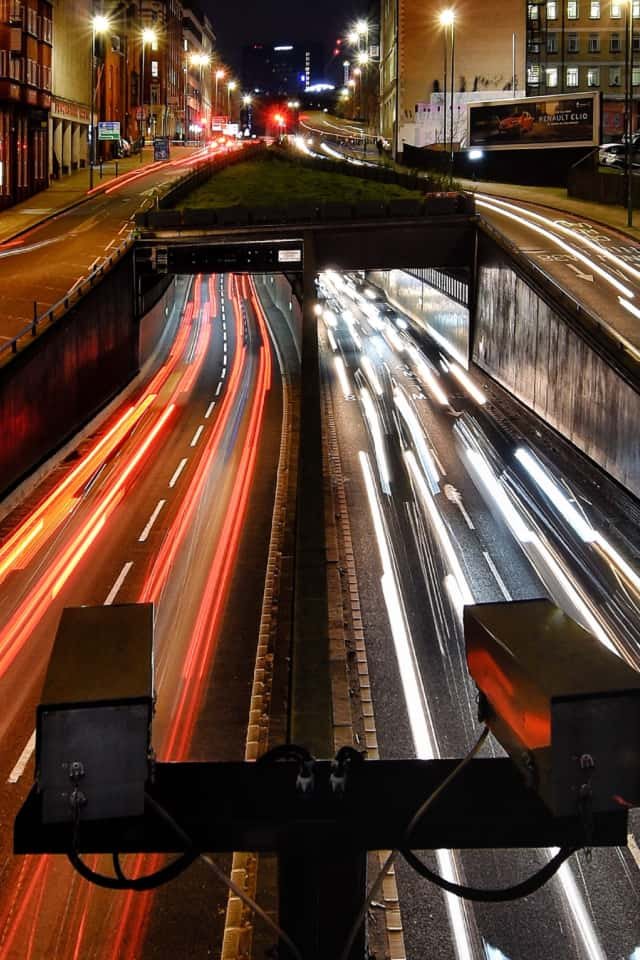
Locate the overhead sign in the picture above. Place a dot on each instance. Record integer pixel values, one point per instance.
(109, 130)
(535, 122)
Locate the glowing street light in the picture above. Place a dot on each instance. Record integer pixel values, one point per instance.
(99, 24)
(447, 20)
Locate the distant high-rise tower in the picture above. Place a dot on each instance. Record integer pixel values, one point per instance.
(280, 69)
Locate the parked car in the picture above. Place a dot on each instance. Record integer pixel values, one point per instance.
(518, 123)
(615, 154)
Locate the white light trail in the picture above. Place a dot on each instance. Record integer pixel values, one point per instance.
(372, 376)
(428, 378)
(465, 380)
(418, 438)
(342, 377)
(332, 341)
(575, 520)
(583, 258)
(375, 426)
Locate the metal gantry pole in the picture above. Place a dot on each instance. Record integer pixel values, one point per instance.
(92, 145)
(444, 95)
(629, 109)
(452, 92)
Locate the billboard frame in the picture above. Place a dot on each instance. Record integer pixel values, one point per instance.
(593, 141)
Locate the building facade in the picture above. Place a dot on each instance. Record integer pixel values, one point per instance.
(574, 46)
(488, 64)
(26, 39)
(280, 69)
(71, 87)
(198, 70)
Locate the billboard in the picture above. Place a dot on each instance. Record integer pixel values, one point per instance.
(535, 122)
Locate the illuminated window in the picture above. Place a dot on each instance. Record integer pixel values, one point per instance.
(533, 75)
(572, 76)
(154, 42)
(573, 44)
(614, 43)
(594, 43)
(572, 10)
(552, 10)
(533, 12)
(616, 11)
(552, 77)
(614, 76)
(154, 68)
(594, 10)
(635, 76)
(635, 8)
(593, 77)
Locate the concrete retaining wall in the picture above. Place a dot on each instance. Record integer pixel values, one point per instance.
(279, 289)
(525, 343)
(72, 370)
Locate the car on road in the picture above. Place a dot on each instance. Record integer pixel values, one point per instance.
(615, 154)
(517, 123)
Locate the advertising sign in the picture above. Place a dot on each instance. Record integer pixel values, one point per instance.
(109, 130)
(535, 122)
(161, 148)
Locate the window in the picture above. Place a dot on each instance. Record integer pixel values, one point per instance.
(635, 8)
(635, 76)
(573, 45)
(552, 10)
(594, 43)
(614, 76)
(636, 42)
(572, 10)
(616, 11)
(533, 75)
(552, 43)
(154, 69)
(572, 76)
(154, 42)
(594, 10)
(593, 77)
(533, 12)
(154, 92)
(551, 77)
(614, 43)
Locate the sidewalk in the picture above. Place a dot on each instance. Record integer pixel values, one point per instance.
(63, 193)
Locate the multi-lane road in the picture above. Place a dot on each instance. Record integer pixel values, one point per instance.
(449, 505)
(168, 502)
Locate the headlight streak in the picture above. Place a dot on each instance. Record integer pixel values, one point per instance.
(428, 378)
(392, 336)
(379, 450)
(419, 440)
(332, 341)
(372, 376)
(345, 386)
(618, 262)
(576, 521)
(422, 729)
(583, 258)
(467, 383)
(578, 605)
(439, 528)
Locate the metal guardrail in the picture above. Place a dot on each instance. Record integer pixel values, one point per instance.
(61, 306)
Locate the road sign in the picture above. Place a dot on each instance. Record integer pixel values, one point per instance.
(161, 148)
(109, 130)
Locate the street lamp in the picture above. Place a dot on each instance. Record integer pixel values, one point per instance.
(148, 36)
(200, 60)
(628, 106)
(448, 19)
(219, 76)
(230, 86)
(99, 24)
(358, 75)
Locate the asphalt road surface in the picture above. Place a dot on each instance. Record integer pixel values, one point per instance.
(169, 502)
(437, 504)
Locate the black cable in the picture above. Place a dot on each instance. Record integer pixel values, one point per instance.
(523, 889)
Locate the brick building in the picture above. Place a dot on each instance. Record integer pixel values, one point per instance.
(25, 97)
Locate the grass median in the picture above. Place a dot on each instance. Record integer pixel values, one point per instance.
(272, 180)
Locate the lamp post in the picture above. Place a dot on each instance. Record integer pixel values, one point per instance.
(200, 60)
(219, 76)
(230, 86)
(628, 107)
(447, 19)
(357, 73)
(99, 24)
(148, 36)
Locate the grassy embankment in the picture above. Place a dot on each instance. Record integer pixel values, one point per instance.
(270, 180)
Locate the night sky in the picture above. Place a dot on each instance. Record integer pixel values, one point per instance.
(244, 21)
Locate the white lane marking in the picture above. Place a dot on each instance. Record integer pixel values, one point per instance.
(633, 848)
(180, 468)
(113, 593)
(219, 389)
(224, 334)
(209, 409)
(224, 371)
(196, 435)
(23, 759)
(152, 519)
(499, 580)
(110, 244)
(455, 497)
